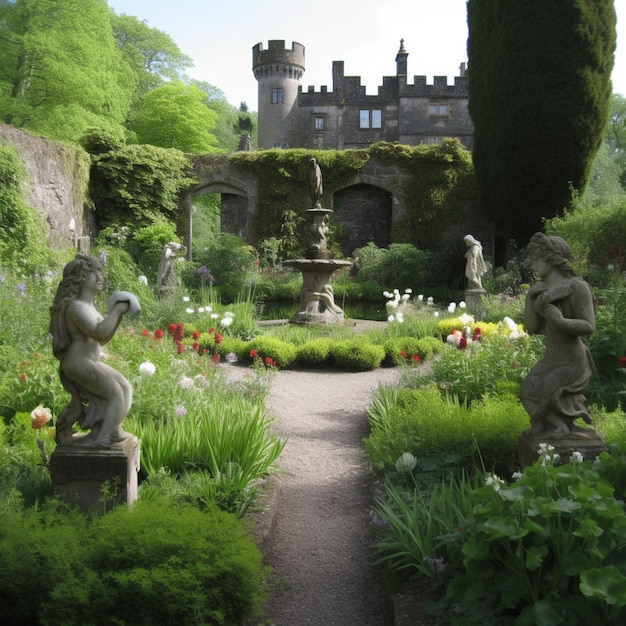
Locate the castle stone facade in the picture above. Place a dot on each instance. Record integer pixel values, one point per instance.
(347, 118)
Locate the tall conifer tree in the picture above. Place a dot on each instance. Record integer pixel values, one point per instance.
(540, 92)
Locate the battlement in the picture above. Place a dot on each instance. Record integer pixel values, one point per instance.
(277, 54)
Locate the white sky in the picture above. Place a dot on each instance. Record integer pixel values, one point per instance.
(219, 35)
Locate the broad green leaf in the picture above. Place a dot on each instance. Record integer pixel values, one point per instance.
(605, 583)
(535, 556)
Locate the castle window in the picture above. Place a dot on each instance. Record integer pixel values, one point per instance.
(370, 118)
(440, 110)
(277, 96)
(318, 122)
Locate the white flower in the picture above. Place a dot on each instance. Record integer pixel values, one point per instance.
(436, 313)
(421, 297)
(185, 298)
(396, 292)
(516, 475)
(229, 314)
(466, 319)
(185, 382)
(147, 368)
(391, 318)
(400, 317)
(576, 457)
(453, 340)
(462, 304)
(406, 296)
(226, 322)
(386, 294)
(406, 463)
(430, 300)
(208, 309)
(201, 309)
(189, 310)
(214, 316)
(408, 290)
(493, 481)
(545, 448)
(143, 280)
(451, 307)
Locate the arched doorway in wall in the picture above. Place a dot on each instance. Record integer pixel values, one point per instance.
(218, 208)
(363, 213)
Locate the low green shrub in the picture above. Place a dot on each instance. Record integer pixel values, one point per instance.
(283, 354)
(152, 564)
(425, 423)
(357, 355)
(548, 548)
(401, 350)
(314, 353)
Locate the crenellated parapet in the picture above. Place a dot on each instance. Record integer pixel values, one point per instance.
(276, 60)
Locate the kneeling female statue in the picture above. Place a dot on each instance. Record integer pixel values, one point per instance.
(562, 307)
(100, 396)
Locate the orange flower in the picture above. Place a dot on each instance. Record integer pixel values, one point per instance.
(40, 416)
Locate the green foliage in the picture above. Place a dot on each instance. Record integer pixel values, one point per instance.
(152, 564)
(22, 238)
(399, 350)
(549, 547)
(231, 262)
(546, 69)
(357, 355)
(314, 353)
(476, 371)
(148, 243)
(133, 184)
(176, 116)
(61, 70)
(281, 352)
(596, 235)
(425, 422)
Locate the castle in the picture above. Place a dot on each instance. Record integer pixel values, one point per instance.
(347, 118)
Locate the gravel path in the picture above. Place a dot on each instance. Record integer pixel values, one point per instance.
(320, 539)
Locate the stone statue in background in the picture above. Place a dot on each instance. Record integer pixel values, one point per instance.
(562, 308)
(475, 266)
(100, 396)
(315, 183)
(166, 263)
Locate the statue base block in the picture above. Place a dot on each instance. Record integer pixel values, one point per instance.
(81, 473)
(473, 301)
(586, 441)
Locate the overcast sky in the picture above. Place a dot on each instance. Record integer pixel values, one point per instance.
(219, 35)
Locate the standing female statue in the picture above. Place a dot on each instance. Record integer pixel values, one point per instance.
(475, 266)
(562, 308)
(101, 396)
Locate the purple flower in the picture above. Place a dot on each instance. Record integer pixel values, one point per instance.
(231, 357)
(180, 410)
(21, 288)
(205, 274)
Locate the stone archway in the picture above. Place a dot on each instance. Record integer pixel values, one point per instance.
(364, 213)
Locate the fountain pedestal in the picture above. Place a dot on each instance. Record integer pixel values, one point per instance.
(317, 301)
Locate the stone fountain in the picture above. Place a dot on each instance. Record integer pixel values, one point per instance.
(317, 301)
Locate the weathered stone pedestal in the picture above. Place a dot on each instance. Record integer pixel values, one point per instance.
(317, 302)
(79, 474)
(585, 441)
(473, 301)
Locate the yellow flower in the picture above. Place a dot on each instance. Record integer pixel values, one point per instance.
(40, 416)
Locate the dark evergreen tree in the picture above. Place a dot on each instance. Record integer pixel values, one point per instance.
(539, 97)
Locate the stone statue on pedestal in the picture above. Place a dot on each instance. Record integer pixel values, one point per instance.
(475, 266)
(562, 307)
(100, 396)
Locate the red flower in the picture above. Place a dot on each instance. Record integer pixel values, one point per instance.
(158, 333)
(415, 358)
(622, 361)
(211, 330)
(462, 343)
(36, 355)
(253, 354)
(403, 353)
(215, 358)
(179, 347)
(171, 327)
(23, 376)
(269, 361)
(26, 363)
(477, 335)
(196, 334)
(145, 332)
(196, 346)
(218, 339)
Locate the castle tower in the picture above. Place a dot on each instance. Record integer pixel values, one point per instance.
(401, 60)
(278, 72)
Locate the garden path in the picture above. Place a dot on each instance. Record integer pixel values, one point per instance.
(319, 541)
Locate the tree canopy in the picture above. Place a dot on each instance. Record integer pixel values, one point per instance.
(539, 97)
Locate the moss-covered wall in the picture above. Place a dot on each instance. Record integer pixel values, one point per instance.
(432, 186)
(58, 182)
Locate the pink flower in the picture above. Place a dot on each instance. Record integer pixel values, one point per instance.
(40, 416)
